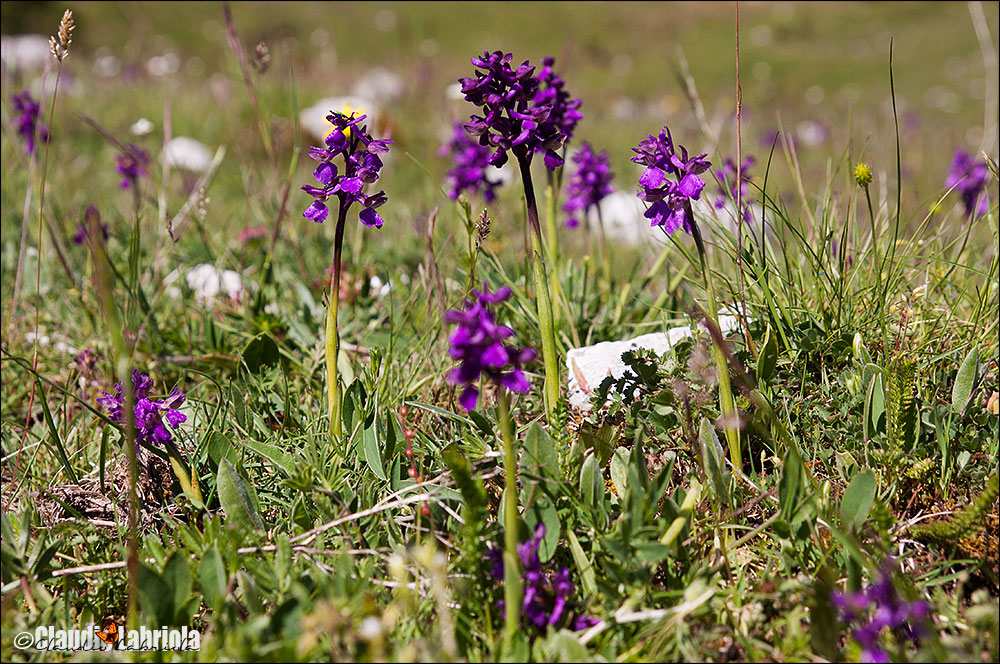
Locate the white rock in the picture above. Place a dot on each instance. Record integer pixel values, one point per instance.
(314, 120)
(141, 127)
(207, 282)
(24, 52)
(187, 154)
(587, 367)
(623, 221)
(379, 85)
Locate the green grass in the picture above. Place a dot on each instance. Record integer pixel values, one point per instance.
(867, 426)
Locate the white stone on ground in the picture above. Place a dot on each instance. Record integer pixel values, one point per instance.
(207, 282)
(187, 154)
(380, 85)
(623, 221)
(587, 367)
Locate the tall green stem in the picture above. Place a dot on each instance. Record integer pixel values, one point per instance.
(332, 335)
(726, 404)
(552, 247)
(542, 297)
(511, 568)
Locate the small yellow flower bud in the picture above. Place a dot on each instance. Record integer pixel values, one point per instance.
(863, 174)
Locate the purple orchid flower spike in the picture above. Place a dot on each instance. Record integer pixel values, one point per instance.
(547, 597)
(479, 345)
(588, 184)
(350, 141)
(149, 413)
(471, 165)
(670, 182)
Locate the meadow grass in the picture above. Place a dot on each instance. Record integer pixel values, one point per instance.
(864, 372)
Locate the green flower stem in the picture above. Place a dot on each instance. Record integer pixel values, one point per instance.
(511, 569)
(542, 297)
(727, 405)
(605, 256)
(552, 249)
(332, 336)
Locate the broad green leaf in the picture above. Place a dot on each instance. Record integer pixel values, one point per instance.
(220, 447)
(768, 358)
(824, 632)
(543, 511)
(262, 351)
(155, 597)
(713, 460)
(600, 440)
(619, 470)
(965, 380)
(373, 455)
(858, 498)
(539, 456)
(213, 579)
(235, 499)
(177, 576)
(789, 485)
(272, 453)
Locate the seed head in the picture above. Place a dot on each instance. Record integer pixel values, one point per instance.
(863, 174)
(59, 45)
(261, 58)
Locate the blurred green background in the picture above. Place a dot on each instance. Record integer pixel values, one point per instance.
(820, 71)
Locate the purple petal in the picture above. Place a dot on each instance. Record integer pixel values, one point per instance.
(369, 217)
(316, 212)
(469, 398)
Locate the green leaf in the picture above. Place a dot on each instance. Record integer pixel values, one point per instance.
(713, 460)
(235, 499)
(619, 470)
(54, 432)
(213, 579)
(768, 358)
(155, 597)
(824, 632)
(790, 485)
(373, 455)
(262, 351)
(273, 454)
(601, 440)
(858, 498)
(874, 399)
(965, 380)
(590, 480)
(470, 486)
(586, 569)
(539, 457)
(543, 511)
(483, 424)
(177, 576)
(220, 447)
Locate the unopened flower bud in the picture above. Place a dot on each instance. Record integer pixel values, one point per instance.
(863, 174)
